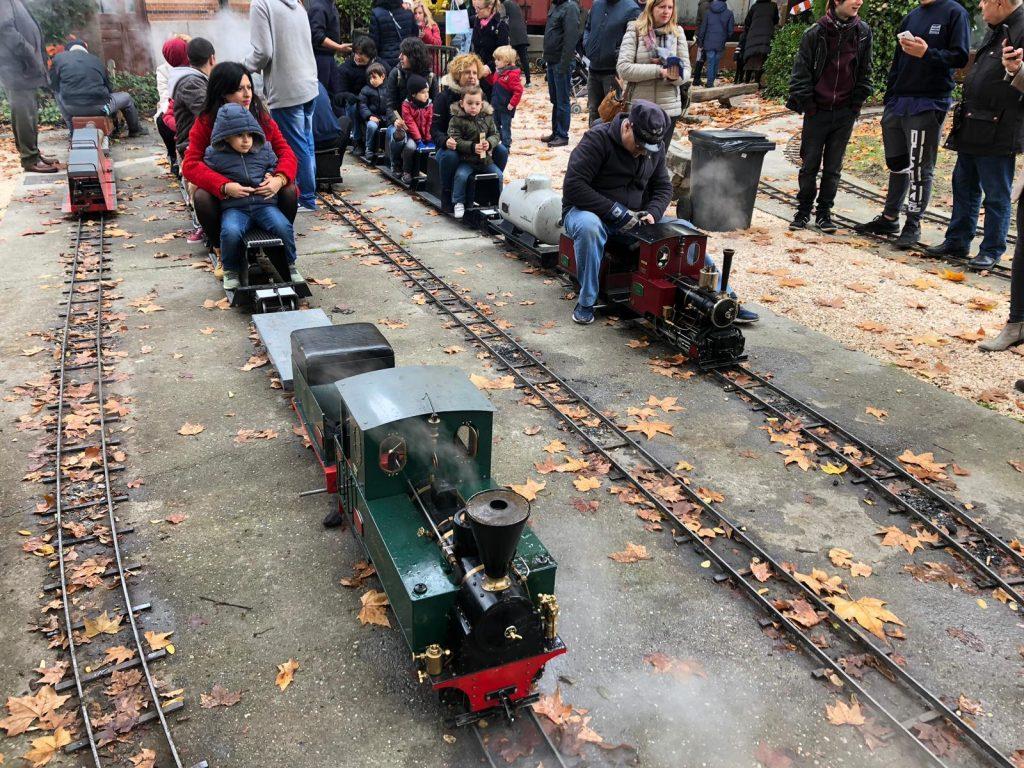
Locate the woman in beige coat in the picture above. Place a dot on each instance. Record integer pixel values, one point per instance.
(654, 60)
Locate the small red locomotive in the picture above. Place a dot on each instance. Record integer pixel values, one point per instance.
(91, 187)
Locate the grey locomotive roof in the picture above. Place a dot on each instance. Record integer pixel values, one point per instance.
(382, 397)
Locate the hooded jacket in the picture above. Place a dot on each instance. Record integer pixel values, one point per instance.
(394, 90)
(22, 62)
(716, 27)
(637, 66)
(602, 172)
(561, 33)
(603, 32)
(759, 28)
(417, 119)
(282, 51)
(248, 169)
(466, 131)
(390, 24)
(79, 79)
(188, 93)
(814, 56)
(194, 168)
(506, 88)
(516, 23)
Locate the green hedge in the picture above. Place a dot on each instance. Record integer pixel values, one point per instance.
(883, 16)
(141, 87)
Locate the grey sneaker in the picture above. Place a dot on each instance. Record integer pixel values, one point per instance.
(230, 280)
(1011, 335)
(909, 238)
(294, 275)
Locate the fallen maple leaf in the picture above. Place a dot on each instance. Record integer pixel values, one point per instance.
(631, 554)
(25, 709)
(118, 655)
(798, 457)
(952, 275)
(710, 496)
(842, 713)
(176, 518)
(650, 428)
(681, 669)
(190, 429)
(555, 446)
(145, 759)
(667, 404)
(792, 282)
(892, 536)
(761, 571)
(45, 749)
(878, 413)
(102, 624)
(219, 696)
(869, 612)
(286, 673)
(158, 640)
(586, 483)
(529, 489)
(552, 707)
(840, 557)
(53, 674)
(375, 608)
(502, 382)
(860, 569)
(832, 469)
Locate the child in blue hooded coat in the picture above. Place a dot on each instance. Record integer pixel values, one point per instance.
(239, 150)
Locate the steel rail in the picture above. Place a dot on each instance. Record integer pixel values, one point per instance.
(532, 758)
(108, 498)
(891, 470)
(455, 305)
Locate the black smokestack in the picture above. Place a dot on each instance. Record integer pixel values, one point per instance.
(497, 518)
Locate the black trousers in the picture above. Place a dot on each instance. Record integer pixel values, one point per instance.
(208, 210)
(524, 59)
(168, 136)
(822, 147)
(1017, 270)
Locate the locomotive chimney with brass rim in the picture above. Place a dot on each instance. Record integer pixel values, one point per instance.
(497, 518)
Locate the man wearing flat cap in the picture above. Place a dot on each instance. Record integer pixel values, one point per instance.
(616, 180)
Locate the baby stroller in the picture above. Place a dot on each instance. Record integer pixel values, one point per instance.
(578, 81)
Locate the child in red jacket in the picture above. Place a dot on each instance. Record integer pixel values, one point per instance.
(506, 91)
(417, 114)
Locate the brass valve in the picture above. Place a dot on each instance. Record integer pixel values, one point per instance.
(512, 634)
(549, 610)
(432, 659)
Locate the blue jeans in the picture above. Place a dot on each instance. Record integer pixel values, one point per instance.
(395, 149)
(462, 174)
(712, 58)
(371, 129)
(462, 42)
(235, 222)
(972, 175)
(504, 120)
(352, 110)
(558, 95)
(589, 234)
(448, 162)
(296, 123)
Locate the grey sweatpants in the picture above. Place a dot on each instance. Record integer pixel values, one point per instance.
(911, 145)
(119, 101)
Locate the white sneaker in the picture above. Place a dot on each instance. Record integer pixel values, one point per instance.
(460, 210)
(306, 209)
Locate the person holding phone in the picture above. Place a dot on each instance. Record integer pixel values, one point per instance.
(933, 42)
(987, 135)
(1012, 333)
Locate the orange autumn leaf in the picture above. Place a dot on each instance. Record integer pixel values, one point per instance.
(633, 553)
(286, 673)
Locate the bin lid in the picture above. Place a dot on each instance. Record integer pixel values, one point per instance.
(727, 140)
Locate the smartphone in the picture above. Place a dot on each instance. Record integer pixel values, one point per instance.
(904, 35)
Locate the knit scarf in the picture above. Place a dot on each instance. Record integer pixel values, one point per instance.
(664, 38)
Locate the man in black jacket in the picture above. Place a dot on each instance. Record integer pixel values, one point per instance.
(831, 79)
(83, 88)
(987, 135)
(22, 73)
(561, 33)
(933, 42)
(615, 181)
(325, 29)
(602, 37)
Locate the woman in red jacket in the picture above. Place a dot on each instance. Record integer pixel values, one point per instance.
(230, 83)
(430, 33)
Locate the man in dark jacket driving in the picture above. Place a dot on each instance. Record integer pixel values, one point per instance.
(83, 88)
(987, 135)
(831, 79)
(602, 37)
(615, 181)
(22, 72)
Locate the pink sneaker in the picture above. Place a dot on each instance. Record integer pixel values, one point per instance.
(197, 236)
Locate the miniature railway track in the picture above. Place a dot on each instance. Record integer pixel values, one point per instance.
(515, 745)
(82, 343)
(995, 562)
(899, 698)
(782, 196)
